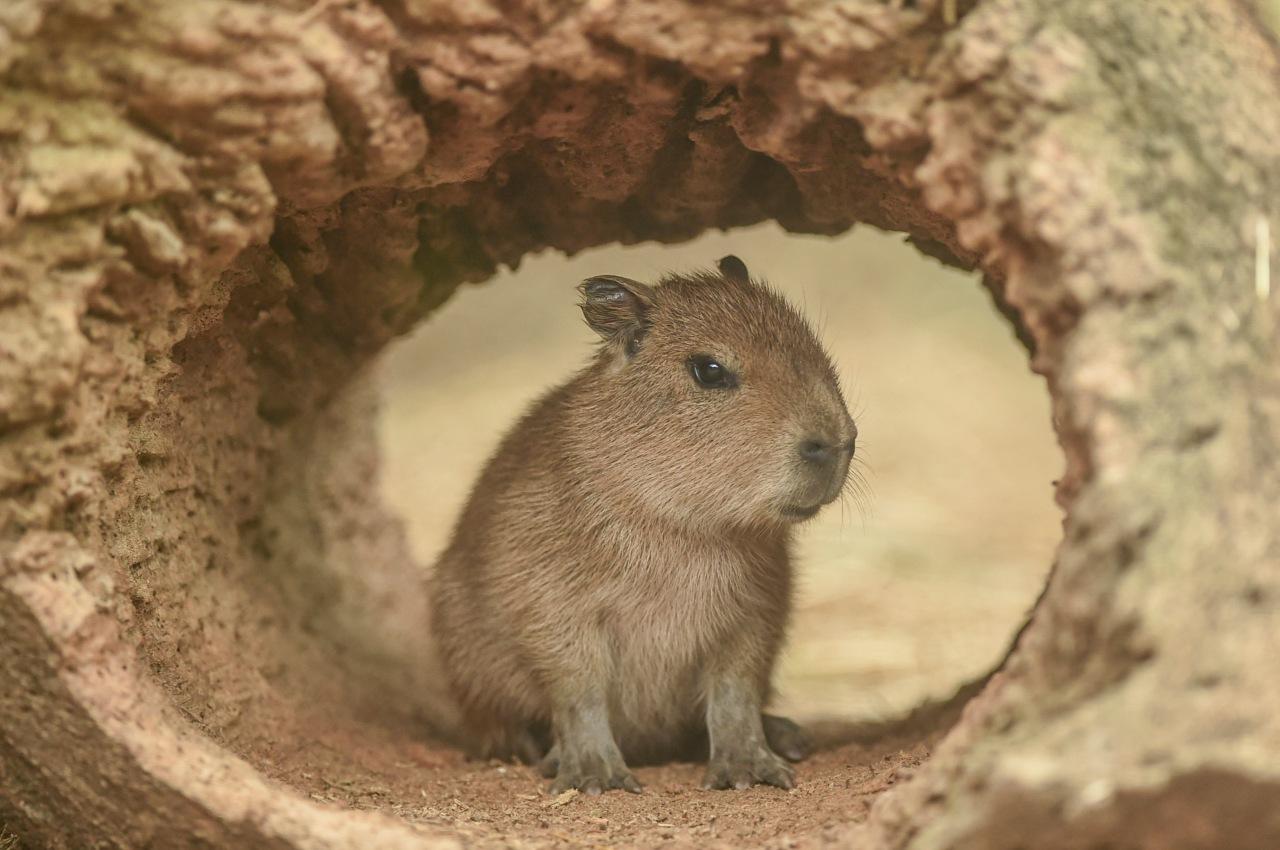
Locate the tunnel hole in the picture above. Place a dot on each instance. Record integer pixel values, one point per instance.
(910, 587)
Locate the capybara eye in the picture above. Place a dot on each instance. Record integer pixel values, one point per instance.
(710, 373)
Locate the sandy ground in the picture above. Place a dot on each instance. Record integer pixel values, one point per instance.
(904, 594)
(502, 806)
(492, 805)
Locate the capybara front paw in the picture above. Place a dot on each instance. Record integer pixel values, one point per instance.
(593, 774)
(758, 767)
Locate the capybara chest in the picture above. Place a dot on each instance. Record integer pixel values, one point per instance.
(667, 625)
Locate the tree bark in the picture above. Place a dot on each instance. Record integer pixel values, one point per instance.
(213, 215)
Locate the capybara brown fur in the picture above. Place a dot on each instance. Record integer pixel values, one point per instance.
(619, 583)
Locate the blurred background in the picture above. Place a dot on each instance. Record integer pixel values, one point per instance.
(905, 593)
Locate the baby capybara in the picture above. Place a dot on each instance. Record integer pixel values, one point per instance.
(619, 584)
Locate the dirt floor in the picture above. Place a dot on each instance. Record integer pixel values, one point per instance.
(495, 805)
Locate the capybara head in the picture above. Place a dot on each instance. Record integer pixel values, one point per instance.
(715, 403)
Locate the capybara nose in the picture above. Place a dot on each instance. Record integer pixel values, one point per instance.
(820, 452)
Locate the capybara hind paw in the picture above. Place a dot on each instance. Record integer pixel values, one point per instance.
(550, 764)
(786, 738)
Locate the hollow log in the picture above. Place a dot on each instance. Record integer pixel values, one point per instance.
(213, 215)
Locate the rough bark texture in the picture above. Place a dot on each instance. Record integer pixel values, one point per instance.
(212, 214)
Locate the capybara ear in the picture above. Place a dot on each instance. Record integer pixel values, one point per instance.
(733, 268)
(617, 308)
